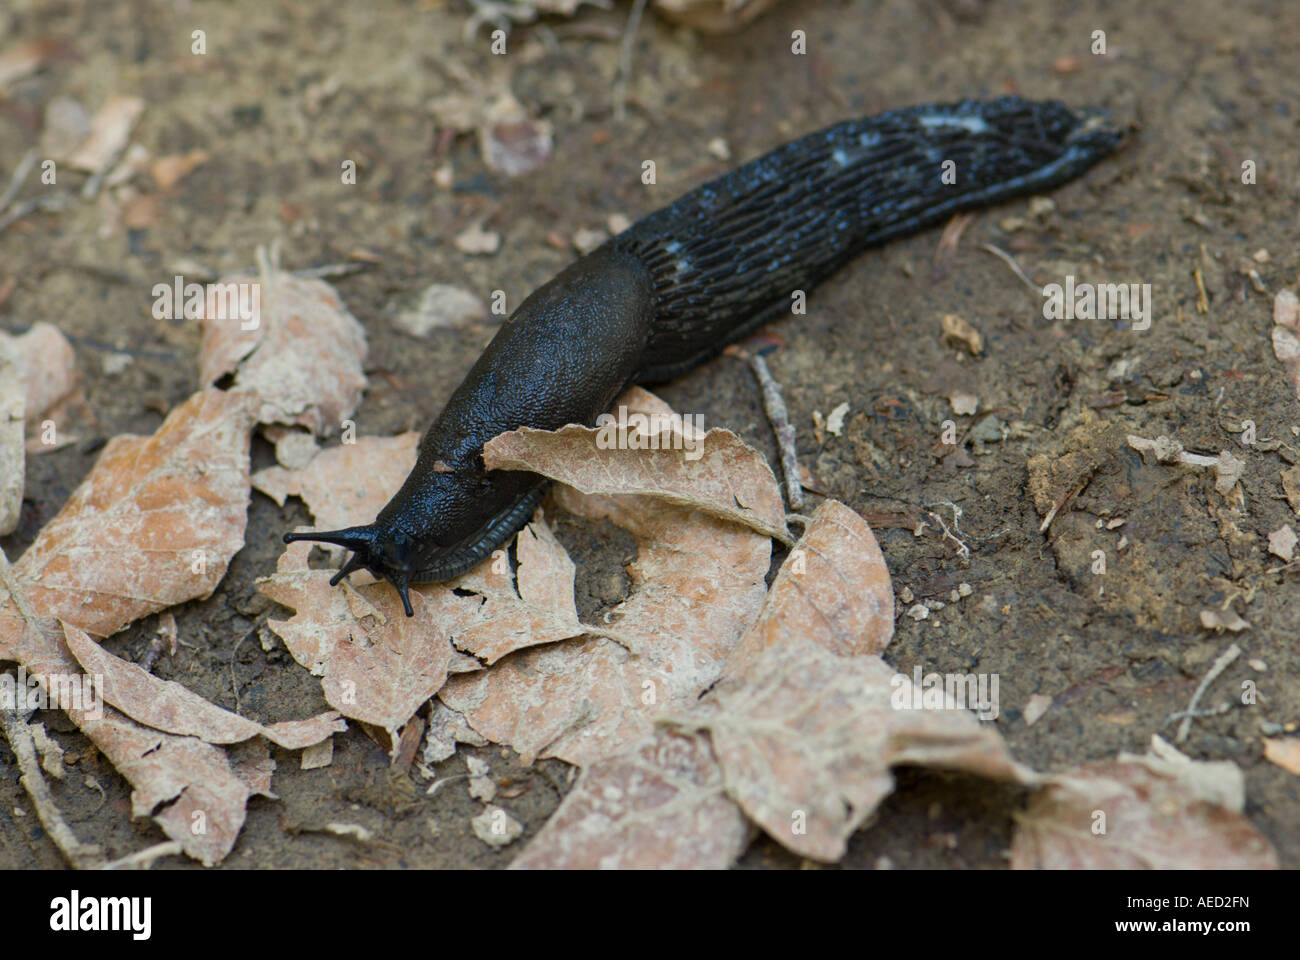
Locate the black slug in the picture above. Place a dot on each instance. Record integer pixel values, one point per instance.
(675, 288)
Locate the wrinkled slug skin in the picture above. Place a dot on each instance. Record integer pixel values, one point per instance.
(674, 289)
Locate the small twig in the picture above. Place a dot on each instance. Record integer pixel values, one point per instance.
(16, 181)
(774, 404)
(1221, 664)
(1209, 712)
(234, 683)
(625, 59)
(50, 202)
(1011, 262)
(1061, 502)
(330, 270)
(79, 855)
(143, 859)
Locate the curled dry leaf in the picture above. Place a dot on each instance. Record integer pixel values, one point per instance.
(652, 455)
(660, 806)
(697, 583)
(806, 739)
(154, 524)
(291, 341)
(170, 707)
(179, 781)
(1159, 811)
(47, 367)
(833, 588)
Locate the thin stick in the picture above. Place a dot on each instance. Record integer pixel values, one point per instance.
(143, 859)
(625, 59)
(1221, 664)
(80, 856)
(1010, 262)
(774, 404)
(56, 201)
(16, 181)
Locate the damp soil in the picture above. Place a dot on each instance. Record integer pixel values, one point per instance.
(1204, 86)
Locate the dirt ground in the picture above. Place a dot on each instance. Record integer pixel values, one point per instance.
(1206, 85)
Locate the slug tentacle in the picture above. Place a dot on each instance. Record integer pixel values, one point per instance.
(674, 289)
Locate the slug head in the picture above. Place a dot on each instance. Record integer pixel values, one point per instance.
(387, 553)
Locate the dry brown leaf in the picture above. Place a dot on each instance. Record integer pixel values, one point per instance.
(833, 588)
(697, 583)
(300, 351)
(1286, 335)
(170, 707)
(806, 740)
(205, 800)
(725, 478)
(379, 665)
(251, 762)
(154, 524)
(385, 682)
(1291, 487)
(541, 609)
(1159, 811)
(172, 169)
(346, 485)
(110, 129)
(447, 728)
(659, 806)
(1284, 752)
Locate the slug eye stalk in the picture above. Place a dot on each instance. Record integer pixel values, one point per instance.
(362, 542)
